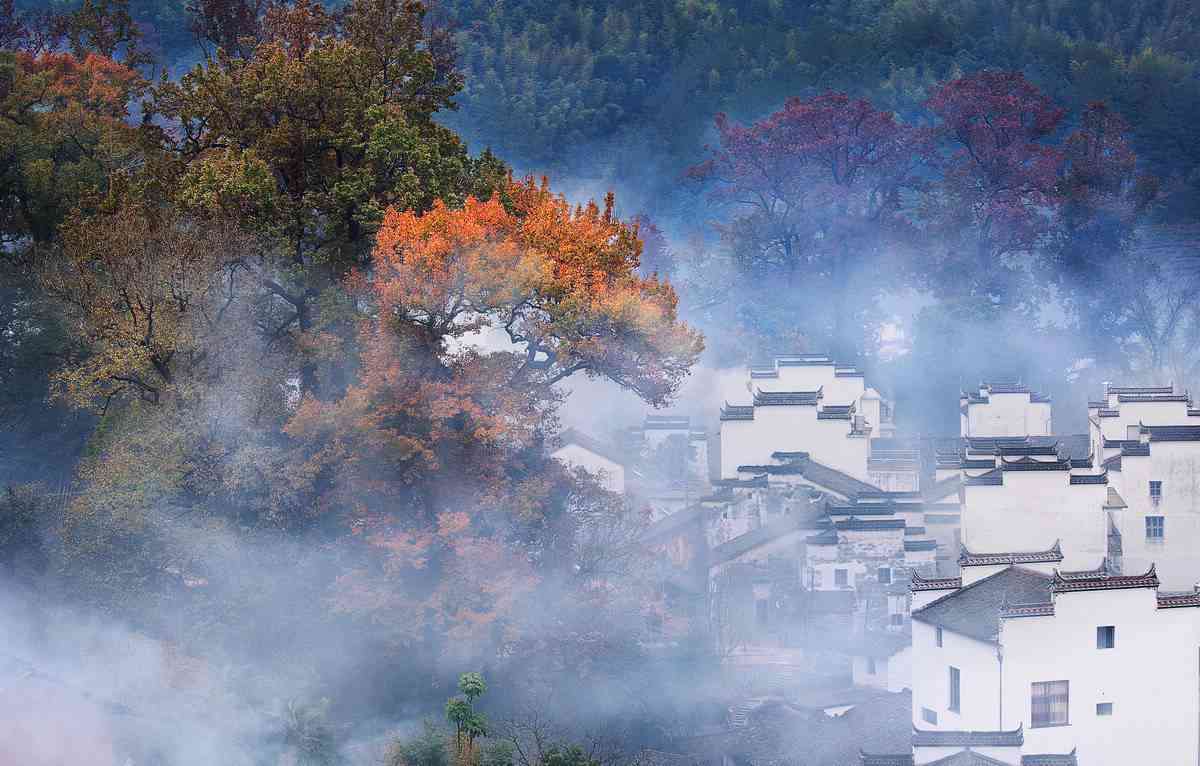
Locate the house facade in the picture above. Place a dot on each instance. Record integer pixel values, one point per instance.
(804, 403)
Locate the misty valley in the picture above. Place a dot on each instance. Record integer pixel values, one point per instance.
(527, 383)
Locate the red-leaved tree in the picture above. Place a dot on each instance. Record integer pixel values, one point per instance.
(815, 191)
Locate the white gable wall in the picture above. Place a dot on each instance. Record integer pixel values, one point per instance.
(611, 475)
(979, 680)
(1032, 509)
(1150, 677)
(1008, 415)
(1177, 555)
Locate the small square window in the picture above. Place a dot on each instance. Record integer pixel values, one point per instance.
(939, 636)
(1155, 492)
(1106, 637)
(885, 575)
(1156, 529)
(840, 577)
(929, 716)
(1103, 708)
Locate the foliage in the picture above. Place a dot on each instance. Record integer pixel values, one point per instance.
(816, 196)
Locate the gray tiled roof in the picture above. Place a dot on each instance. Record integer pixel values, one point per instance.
(1051, 555)
(967, 758)
(787, 398)
(737, 412)
(920, 583)
(974, 610)
(920, 545)
(1049, 759)
(1065, 582)
(1172, 433)
(1014, 738)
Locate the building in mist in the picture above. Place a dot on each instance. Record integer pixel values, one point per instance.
(1023, 662)
(672, 458)
(805, 403)
(1004, 410)
(1148, 444)
(1127, 491)
(608, 463)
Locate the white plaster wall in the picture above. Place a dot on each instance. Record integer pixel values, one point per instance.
(1152, 678)
(738, 446)
(1031, 510)
(1152, 413)
(899, 670)
(1177, 466)
(860, 675)
(610, 475)
(792, 428)
(1008, 415)
(979, 674)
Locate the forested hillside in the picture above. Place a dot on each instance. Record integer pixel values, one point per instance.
(293, 295)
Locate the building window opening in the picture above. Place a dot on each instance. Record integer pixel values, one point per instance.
(1050, 703)
(1106, 637)
(955, 689)
(1156, 530)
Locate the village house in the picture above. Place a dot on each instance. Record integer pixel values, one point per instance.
(606, 462)
(1148, 443)
(804, 403)
(1004, 410)
(1020, 661)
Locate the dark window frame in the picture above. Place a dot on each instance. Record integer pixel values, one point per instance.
(954, 704)
(1049, 694)
(1106, 636)
(1156, 529)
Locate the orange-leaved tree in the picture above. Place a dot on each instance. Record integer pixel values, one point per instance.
(434, 457)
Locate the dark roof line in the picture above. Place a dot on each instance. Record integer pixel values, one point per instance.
(1148, 398)
(1090, 478)
(737, 412)
(1140, 389)
(920, 545)
(1066, 583)
(924, 738)
(920, 583)
(1178, 600)
(787, 398)
(993, 478)
(854, 523)
(592, 444)
(1051, 556)
(1172, 433)
(1029, 464)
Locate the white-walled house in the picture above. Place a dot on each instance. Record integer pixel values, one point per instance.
(806, 403)
(1004, 410)
(882, 660)
(1021, 662)
(604, 461)
(1148, 441)
(1017, 491)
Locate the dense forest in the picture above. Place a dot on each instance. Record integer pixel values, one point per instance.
(292, 296)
